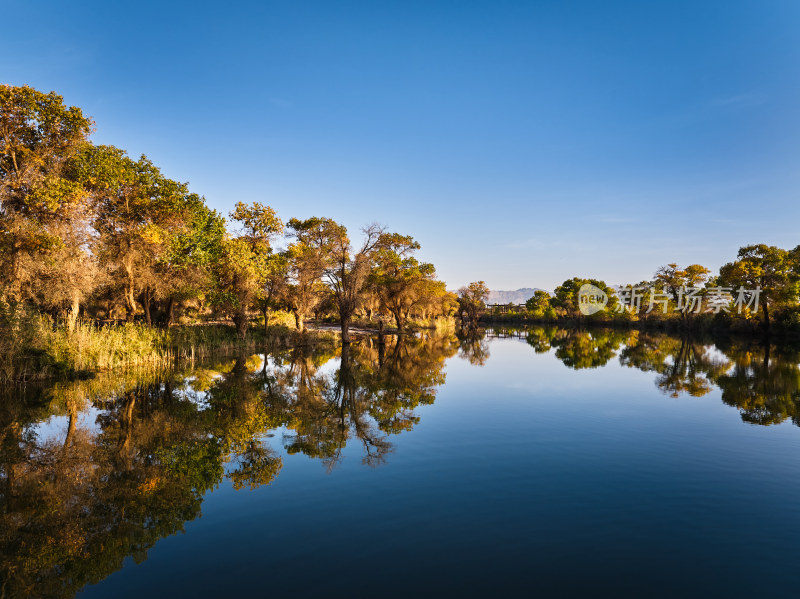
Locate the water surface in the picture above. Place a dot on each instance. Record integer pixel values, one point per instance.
(571, 463)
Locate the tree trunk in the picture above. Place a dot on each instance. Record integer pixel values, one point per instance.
(298, 321)
(398, 318)
(146, 301)
(766, 316)
(130, 299)
(127, 426)
(15, 288)
(170, 312)
(240, 320)
(72, 316)
(265, 311)
(129, 311)
(71, 425)
(345, 330)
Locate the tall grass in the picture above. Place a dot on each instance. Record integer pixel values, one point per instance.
(441, 324)
(89, 347)
(34, 347)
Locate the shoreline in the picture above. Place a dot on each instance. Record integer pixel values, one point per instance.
(91, 349)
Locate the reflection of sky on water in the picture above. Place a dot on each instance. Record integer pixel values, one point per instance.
(54, 429)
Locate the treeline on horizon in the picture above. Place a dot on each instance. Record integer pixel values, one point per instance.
(88, 232)
(759, 291)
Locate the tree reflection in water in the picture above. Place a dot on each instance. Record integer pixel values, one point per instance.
(763, 382)
(759, 379)
(683, 364)
(371, 395)
(94, 471)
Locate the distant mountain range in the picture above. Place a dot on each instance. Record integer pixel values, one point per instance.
(517, 296)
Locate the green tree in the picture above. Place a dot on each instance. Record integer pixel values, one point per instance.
(348, 269)
(274, 287)
(43, 215)
(539, 302)
(246, 261)
(306, 262)
(566, 296)
(399, 280)
(675, 280)
(772, 269)
(188, 263)
(138, 214)
(344, 269)
(472, 301)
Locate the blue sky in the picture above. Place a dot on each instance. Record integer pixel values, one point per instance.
(521, 143)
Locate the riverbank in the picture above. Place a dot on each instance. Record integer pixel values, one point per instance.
(38, 350)
(34, 347)
(786, 324)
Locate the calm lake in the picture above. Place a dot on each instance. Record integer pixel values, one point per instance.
(561, 462)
